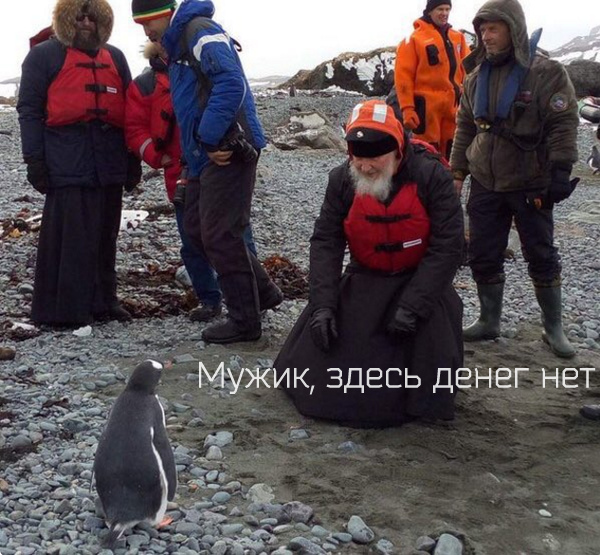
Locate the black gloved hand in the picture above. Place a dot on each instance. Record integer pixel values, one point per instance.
(134, 171)
(403, 323)
(37, 175)
(561, 185)
(323, 328)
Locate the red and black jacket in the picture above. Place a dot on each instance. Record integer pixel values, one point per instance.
(150, 127)
(432, 186)
(88, 150)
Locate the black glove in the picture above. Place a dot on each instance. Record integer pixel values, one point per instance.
(37, 175)
(598, 133)
(403, 323)
(561, 185)
(323, 328)
(134, 171)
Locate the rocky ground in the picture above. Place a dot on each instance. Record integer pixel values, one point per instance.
(515, 473)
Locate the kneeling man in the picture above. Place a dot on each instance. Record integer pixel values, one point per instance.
(391, 320)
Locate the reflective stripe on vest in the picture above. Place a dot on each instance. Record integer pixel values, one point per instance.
(85, 89)
(388, 238)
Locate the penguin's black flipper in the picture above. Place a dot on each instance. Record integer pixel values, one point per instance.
(165, 451)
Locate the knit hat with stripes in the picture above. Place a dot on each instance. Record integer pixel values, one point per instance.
(373, 130)
(146, 10)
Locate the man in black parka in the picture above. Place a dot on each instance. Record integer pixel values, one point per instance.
(71, 111)
(393, 311)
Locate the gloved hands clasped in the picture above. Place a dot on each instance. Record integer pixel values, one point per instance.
(323, 328)
(403, 323)
(37, 175)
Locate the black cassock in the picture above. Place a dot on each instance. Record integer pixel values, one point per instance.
(365, 301)
(75, 275)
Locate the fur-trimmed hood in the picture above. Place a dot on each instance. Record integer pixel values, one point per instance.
(65, 11)
(155, 54)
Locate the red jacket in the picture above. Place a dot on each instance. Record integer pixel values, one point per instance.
(150, 127)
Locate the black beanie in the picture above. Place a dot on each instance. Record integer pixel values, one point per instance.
(433, 4)
(145, 10)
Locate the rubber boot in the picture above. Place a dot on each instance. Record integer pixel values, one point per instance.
(269, 295)
(550, 301)
(487, 325)
(243, 319)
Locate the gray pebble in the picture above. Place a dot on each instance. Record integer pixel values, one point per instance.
(425, 543)
(360, 532)
(448, 544)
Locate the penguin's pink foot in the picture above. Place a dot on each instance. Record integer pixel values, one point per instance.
(164, 522)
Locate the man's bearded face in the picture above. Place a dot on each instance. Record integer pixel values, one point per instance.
(373, 176)
(86, 33)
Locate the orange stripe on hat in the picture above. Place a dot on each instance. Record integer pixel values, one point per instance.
(377, 115)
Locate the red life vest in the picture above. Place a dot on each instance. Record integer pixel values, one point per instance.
(85, 89)
(388, 238)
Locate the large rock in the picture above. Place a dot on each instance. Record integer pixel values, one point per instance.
(585, 76)
(370, 73)
(308, 130)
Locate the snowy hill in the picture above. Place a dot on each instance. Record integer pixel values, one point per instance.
(269, 82)
(580, 48)
(369, 73)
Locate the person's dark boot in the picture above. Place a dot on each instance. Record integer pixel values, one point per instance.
(117, 312)
(205, 312)
(487, 326)
(243, 320)
(550, 301)
(269, 295)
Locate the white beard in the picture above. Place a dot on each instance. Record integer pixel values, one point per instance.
(378, 187)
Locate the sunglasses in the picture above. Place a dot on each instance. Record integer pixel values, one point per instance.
(80, 17)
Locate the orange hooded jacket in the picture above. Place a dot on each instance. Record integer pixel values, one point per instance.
(423, 71)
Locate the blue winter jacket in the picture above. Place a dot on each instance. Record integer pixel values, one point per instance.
(209, 89)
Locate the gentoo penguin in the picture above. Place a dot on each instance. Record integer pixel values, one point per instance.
(134, 465)
(594, 160)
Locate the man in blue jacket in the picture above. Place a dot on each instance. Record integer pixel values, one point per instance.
(221, 137)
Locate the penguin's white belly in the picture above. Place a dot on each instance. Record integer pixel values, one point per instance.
(164, 488)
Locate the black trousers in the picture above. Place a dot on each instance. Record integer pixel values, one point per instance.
(75, 276)
(217, 212)
(490, 219)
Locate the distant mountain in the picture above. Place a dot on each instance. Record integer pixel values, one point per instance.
(269, 82)
(580, 48)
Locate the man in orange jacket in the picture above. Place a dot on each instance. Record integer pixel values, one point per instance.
(429, 75)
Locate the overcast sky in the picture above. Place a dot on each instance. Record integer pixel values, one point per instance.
(280, 37)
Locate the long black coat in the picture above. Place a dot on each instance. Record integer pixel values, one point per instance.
(364, 301)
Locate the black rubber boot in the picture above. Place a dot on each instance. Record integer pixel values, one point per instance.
(269, 295)
(243, 320)
(550, 301)
(487, 325)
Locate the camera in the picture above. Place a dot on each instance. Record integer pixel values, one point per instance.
(179, 196)
(236, 141)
